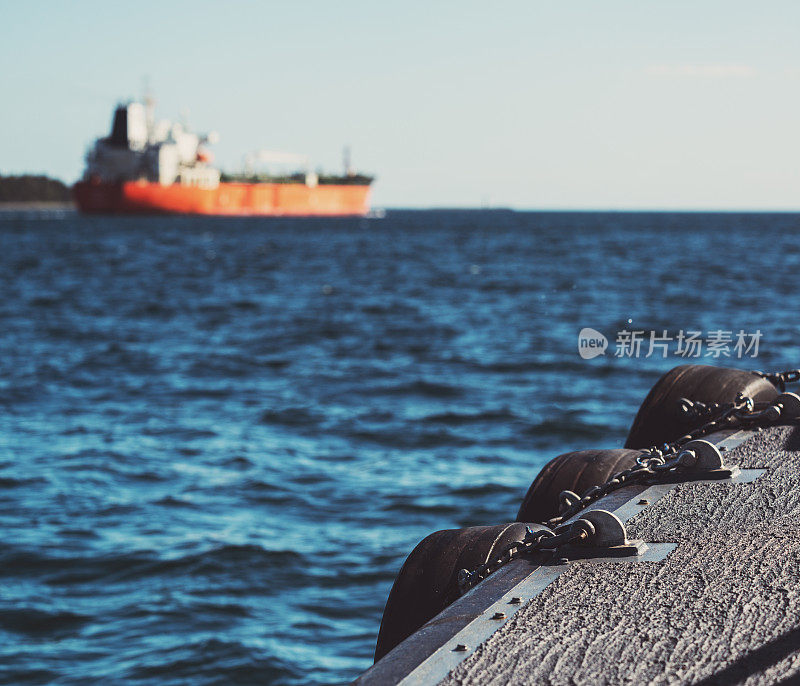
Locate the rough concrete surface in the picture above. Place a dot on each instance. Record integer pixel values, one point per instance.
(723, 608)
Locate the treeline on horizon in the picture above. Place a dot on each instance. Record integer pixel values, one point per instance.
(33, 188)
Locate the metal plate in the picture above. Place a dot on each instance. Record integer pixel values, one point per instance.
(463, 644)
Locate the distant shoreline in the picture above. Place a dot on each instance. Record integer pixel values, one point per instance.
(37, 205)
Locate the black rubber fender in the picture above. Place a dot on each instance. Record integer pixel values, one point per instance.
(660, 420)
(575, 471)
(424, 585)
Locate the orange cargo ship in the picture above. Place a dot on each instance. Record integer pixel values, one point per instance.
(149, 167)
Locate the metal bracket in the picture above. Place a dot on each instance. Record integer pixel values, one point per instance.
(706, 465)
(610, 539)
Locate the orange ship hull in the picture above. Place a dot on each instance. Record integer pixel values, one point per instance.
(227, 199)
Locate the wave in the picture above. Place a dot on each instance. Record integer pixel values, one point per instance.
(570, 428)
(36, 622)
(409, 437)
(214, 661)
(238, 562)
(465, 418)
(12, 482)
(291, 416)
(430, 389)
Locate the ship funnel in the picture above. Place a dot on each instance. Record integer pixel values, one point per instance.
(129, 127)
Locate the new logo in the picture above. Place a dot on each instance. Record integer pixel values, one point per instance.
(591, 343)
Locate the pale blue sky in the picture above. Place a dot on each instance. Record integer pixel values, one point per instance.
(580, 104)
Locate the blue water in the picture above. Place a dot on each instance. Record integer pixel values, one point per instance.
(219, 439)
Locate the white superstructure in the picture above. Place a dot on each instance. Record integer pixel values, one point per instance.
(139, 148)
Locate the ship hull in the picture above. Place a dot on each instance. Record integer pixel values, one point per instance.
(227, 199)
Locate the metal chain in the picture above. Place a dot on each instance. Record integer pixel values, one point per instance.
(534, 541)
(742, 413)
(780, 379)
(656, 459)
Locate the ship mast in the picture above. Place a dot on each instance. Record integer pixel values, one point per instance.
(149, 108)
(346, 164)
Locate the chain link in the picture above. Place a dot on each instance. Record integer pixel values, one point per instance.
(534, 541)
(780, 379)
(742, 413)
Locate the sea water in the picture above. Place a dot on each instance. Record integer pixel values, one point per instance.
(220, 438)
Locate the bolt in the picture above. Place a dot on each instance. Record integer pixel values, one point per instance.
(644, 501)
(563, 560)
(499, 615)
(460, 648)
(516, 600)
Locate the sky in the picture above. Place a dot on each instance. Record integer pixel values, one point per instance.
(530, 105)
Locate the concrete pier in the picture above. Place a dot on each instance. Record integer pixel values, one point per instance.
(715, 601)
